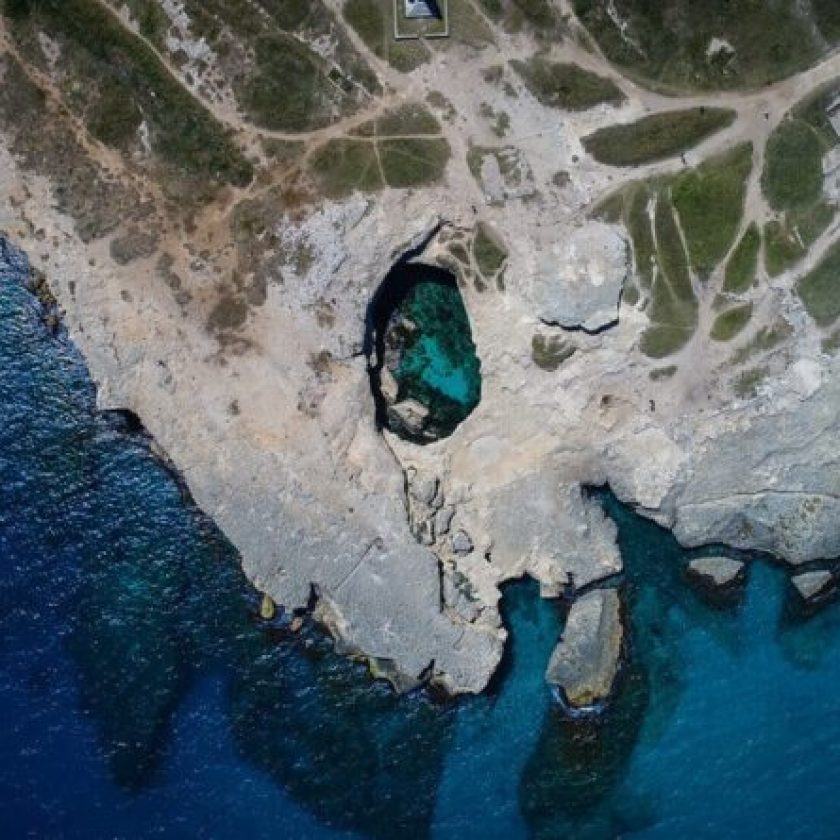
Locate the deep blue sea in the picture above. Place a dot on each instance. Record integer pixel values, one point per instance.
(140, 696)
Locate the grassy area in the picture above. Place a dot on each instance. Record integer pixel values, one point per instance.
(767, 338)
(411, 118)
(656, 137)
(730, 323)
(488, 253)
(413, 161)
(792, 178)
(746, 383)
(637, 220)
(667, 42)
(782, 248)
(663, 373)
(373, 20)
(831, 344)
(182, 133)
(673, 306)
(549, 352)
(289, 90)
(786, 242)
(342, 165)
(710, 202)
(566, 86)
(820, 289)
(742, 265)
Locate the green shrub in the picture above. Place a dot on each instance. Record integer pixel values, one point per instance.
(710, 202)
(820, 288)
(656, 137)
(742, 265)
(413, 161)
(566, 86)
(728, 324)
(489, 255)
(341, 166)
(792, 178)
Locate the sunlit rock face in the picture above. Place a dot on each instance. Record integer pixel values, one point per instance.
(425, 374)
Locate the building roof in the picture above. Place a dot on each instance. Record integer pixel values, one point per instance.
(422, 9)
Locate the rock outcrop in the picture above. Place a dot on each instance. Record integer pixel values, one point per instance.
(815, 586)
(718, 573)
(584, 665)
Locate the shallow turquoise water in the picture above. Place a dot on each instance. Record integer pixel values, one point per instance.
(434, 361)
(141, 697)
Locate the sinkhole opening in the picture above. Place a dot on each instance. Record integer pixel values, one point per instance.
(425, 375)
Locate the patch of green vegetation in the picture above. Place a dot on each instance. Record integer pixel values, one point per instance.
(115, 117)
(662, 373)
(831, 344)
(466, 26)
(460, 253)
(782, 248)
(492, 8)
(289, 90)
(742, 265)
(413, 161)
(630, 294)
(493, 74)
(637, 221)
(792, 178)
(730, 323)
(499, 119)
(566, 86)
(827, 14)
(406, 119)
(373, 20)
(656, 137)
(820, 288)
(182, 133)
(767, 338)
(282, 151)
(673, 307)
(549, 352)
(152, 21)
(786, 242)
(710, 202)
(488, 253)
(746, 383)
(668, 42)
(341, 166)
(812, 223)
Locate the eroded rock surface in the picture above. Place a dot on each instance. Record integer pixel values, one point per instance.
(584, 665)
(814, 586)
(220, 292)
(717, 572)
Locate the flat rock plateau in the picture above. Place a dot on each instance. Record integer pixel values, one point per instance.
(214, 192)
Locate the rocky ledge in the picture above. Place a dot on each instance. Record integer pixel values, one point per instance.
(814, 587)
(717, 573)
(584, 665)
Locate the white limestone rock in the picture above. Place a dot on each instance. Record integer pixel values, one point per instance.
(585, 663)
(717, 572)
(580, 280)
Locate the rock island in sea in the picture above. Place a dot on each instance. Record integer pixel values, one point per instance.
(644, 290)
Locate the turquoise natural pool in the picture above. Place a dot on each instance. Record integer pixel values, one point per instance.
(140, 696)
(437, 364)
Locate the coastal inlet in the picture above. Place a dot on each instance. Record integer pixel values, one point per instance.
(424, 372)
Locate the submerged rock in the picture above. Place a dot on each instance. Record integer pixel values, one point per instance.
(268, 608)
(584, 665)
(408, 415)
(814, 586)
(717, 572)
